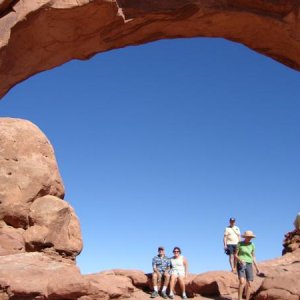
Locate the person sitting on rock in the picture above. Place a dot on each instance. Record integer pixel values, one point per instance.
(179, 271)
(245, 256)
(161, 267)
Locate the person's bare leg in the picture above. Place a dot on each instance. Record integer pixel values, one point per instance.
(172, 283)
(154, 280)
(241, 287)
(248, 290)
(166, 280)
(232, 262)
(181, 284)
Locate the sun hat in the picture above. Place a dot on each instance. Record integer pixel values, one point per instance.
(248, 233)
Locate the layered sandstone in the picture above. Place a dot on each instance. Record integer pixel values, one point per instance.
(37, 35)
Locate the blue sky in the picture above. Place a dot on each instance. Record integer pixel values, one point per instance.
(160, 144)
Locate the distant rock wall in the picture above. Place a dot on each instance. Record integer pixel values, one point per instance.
(38, 35)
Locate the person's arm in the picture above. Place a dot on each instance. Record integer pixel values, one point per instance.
(154, 265)
(225, 239)
(239, 235)
(255, 263)
(236, 254)
(186, 266)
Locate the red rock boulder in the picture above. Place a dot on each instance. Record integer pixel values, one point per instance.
(28, 170)
(53, 224)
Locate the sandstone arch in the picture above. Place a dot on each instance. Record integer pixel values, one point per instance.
(37, 35)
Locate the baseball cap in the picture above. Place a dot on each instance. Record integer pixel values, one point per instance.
(232, 219)
(161, 248)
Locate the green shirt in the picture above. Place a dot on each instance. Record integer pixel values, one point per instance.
(245, 252)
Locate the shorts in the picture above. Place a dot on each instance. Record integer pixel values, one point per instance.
(161, 272)
(177, 273)
(231, 249)
(245, 271)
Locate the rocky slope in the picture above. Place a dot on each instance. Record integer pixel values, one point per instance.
(40, 238)
(37, 35)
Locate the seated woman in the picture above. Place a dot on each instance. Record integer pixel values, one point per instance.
(179, 271)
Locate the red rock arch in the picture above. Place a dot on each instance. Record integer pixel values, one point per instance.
(40, 35)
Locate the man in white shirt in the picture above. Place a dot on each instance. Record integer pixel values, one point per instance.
(232, 236)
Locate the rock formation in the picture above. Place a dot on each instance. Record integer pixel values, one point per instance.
(291, 241)
(33, 214)
(37, 35)
(39, 231)
(40, 238)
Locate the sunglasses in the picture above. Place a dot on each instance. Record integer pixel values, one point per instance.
(175, 251)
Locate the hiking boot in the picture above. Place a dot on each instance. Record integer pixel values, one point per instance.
(171, 296)
(154, 294)
(184, 297)
(164, 295)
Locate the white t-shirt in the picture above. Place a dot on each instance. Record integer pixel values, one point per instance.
(232, 235)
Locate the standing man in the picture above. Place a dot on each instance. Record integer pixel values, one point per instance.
(232, 236)
(161, 267)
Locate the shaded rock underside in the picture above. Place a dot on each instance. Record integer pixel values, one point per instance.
(40, 35)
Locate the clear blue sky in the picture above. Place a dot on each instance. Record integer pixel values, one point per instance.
(160, 144)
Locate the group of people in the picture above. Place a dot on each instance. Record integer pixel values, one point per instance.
(241, 256)
(241, 259)
(169, 270)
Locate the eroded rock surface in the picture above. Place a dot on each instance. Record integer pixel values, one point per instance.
(282, 280)
(33, 214)
(291, 241)
(40, 276)
(53, 224)
(37, 35)
(11, 239)
(28, 170)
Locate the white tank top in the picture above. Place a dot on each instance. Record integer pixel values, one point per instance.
(177, 264)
